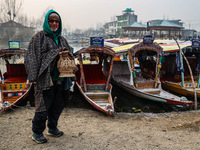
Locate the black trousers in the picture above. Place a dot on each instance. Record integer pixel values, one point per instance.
(54, 103)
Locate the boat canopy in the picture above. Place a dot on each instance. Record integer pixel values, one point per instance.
(110, 45)
(141, 46)
(124, 48)
(95, 49)
(168, 46)
(8, 52)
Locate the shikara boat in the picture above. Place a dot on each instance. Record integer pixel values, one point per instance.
(176, 77)
(92, 80)
(14, 85)
(143, 81)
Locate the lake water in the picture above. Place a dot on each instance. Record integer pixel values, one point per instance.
(77, 46)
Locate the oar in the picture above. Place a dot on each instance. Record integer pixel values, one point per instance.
(109, 75)
(191, 75)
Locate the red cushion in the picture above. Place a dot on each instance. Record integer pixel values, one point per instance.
(93, 74)
(15, 73)
(17, 79)
(16, 70)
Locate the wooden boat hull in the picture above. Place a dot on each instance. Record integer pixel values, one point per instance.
(178, 89)
(14, 84)
(101, 100)
(151, 97)
(12, 97)
(126, 75)
(93, 78)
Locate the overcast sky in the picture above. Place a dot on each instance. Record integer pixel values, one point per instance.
(83, 14)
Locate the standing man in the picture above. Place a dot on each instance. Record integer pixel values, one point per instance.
(41, 65)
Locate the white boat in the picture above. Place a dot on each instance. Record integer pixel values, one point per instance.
(145, 83)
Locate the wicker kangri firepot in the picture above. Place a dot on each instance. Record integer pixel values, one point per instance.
(66, 65)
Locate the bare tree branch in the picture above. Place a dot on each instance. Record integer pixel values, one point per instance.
(10, 9)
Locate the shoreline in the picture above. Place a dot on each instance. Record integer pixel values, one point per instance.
(90, 129)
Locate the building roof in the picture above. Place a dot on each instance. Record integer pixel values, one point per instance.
(136, 25)
(165, 23)
(12, 23)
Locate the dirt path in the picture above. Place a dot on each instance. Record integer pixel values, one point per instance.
(87, 129)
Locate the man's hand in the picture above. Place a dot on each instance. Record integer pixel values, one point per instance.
(68, 52)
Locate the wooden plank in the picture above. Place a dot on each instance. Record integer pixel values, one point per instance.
(11, 99)
(14, 91)
(102, 100)
(146, 84)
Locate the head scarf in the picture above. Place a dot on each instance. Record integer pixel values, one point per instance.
(47, 28)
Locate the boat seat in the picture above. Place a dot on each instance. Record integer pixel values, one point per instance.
(151, 90)
(96, 87)
(146, 84)
(16, 79)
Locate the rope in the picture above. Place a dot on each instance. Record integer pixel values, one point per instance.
(23, 107)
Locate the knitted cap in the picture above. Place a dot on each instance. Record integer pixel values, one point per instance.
(54, 15)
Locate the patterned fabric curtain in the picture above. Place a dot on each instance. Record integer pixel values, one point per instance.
(198, 62)
(178, 62)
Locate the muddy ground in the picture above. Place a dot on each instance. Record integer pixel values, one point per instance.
(86, 129)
